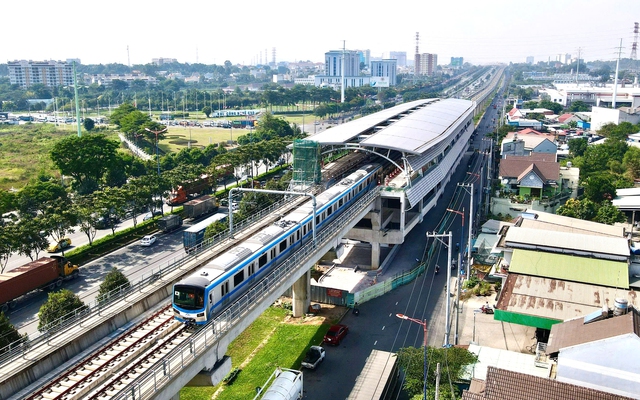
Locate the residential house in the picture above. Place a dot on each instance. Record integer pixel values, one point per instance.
(531, 176)
(599, 353)
(501, 384)
(526, 142)
(567, 118)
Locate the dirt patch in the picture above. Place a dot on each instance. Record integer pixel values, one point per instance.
(328, 313)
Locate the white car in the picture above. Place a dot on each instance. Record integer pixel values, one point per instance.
(148, 240)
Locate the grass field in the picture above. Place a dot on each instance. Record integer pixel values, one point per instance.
(24, 151)
(268, 343)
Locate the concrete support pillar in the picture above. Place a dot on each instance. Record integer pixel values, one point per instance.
(211, 378)
(375, 255)
(300, 299)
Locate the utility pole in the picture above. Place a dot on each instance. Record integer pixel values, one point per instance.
(615, 78)
(342, 72)
(75, 92)
(439, 237)
(437, 381)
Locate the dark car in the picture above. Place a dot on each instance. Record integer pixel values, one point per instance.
(335, 334)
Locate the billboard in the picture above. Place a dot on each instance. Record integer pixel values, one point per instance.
(379, 81)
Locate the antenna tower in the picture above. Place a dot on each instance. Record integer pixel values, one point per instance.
(128, 58)
(416, 69)
(634, 46)
(273, 56)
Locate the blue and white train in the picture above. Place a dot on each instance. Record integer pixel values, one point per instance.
(203, 294)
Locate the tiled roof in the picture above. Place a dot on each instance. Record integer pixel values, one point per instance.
(564, 117)
(508, 385)
(514, 167)
(575, 331)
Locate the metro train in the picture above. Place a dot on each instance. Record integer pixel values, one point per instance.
(210, 289)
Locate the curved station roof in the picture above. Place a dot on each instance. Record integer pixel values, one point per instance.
(412, 127)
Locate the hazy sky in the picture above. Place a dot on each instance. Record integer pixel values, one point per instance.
(481, 31)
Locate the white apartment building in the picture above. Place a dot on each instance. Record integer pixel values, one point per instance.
(49, 73)
(385, 69)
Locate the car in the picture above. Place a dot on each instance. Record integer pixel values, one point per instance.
(63, 243)
(335, 334)
(151, 215)
(148, 240)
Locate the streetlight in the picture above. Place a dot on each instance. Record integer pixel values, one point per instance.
(157, 156)
(424, 327)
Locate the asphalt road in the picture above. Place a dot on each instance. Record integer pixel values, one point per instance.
(377, 327)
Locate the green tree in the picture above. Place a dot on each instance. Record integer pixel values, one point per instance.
(609, 214)
(579, 106)
(86, 159)
(31, 236)
(41, 197)
(206, 110)
(599, 187)
(122, 110)
(60, 305)
(114, 280)
(85, 210)
(8, 333)
(7, 201)
(577, 147)
(215, 228)
(452, 362)
(8, 243)
(89, 124)
(631, 162)
(581, 209)
(550, 105)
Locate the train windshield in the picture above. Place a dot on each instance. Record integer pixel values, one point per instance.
(188, 297)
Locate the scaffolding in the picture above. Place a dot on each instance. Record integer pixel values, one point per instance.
(306, 164)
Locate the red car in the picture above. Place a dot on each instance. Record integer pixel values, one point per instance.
(335, 334)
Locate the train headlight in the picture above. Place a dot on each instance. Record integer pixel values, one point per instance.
(200, 314)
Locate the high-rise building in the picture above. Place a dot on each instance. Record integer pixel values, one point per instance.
(457, 62)
(49, 73)
(333, 63)
(163, 60)
(401, 56)
(385, 69)
(427, 64)
(530, 60)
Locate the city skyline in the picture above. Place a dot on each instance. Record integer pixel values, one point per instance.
(211, 33)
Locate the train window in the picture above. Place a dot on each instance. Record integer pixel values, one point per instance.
(262, 260)
(273, 253)
(340, 203)
(238, 278)
(224, 289)
(304, 229)
(290, 240)
(329, 210)
(283, 245)
(298, 235)
(317, 220)
(252, 269)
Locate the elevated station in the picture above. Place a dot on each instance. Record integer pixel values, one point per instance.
(420, 144)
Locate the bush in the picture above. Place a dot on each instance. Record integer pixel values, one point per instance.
(58, 307)
(471, 282)
(483, 289)
(113, 281)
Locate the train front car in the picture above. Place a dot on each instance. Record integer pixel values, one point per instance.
(189, 300)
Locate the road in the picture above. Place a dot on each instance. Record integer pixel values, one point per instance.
(377, 327)
(133, 260)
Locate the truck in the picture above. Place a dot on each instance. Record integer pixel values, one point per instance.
(286, 384)
(169, 223)
(200, 206)
(193, 236)
(315, 355)
(44, 273)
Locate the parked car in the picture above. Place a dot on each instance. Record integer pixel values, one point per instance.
(63, 243)
(315, 355)
(148, 240)
(335, 334)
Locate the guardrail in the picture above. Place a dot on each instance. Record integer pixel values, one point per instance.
(163, 370)
(18, 348)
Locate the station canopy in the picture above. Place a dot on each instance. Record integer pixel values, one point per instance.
(411, 128)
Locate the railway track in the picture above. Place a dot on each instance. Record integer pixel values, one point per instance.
(102, 369)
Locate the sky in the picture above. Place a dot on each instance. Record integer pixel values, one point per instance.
(211, 32)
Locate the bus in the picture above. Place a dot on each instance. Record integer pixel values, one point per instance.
(194, 235)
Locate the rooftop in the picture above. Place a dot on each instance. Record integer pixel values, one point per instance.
(556, 299)
(576, 331)
(501, 384)
(595, 228)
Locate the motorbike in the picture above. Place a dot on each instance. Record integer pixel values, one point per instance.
(486, 309)
(437, 269)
